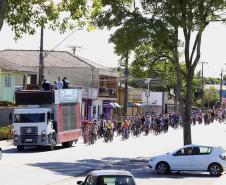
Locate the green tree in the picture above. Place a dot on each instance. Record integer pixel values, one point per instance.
(156, 25)
(24, 16)
(211, 96)
(3, 5)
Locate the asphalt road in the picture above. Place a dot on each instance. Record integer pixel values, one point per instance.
(143, 176)
(66, 166)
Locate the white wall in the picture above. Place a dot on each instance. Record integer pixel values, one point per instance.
(155, 98)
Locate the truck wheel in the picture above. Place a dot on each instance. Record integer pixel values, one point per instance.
(20, 148)
(67, 144)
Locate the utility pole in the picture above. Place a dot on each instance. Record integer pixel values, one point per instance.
(148, 93)
(221, 85)
(74, 48)
(126, 83)
(163, 93)
(203, 85)
(41, 61)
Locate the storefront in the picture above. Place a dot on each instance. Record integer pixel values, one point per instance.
(89, 96)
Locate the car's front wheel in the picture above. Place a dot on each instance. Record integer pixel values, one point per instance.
(215, 169)
(163, 168)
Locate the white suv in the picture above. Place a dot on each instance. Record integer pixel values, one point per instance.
(191, 158)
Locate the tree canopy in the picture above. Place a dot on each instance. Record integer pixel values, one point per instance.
(154, 25)
(24, 16)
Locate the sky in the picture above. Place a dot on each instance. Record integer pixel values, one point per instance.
(95, 46)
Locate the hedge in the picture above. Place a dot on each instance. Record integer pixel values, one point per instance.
(5, 133)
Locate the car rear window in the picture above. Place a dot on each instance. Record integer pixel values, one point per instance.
(205, 150)
(115, 180)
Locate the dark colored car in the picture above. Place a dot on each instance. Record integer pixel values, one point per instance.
(108, 177)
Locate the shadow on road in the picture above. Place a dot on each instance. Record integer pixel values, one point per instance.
(80, 167)
(139, 169)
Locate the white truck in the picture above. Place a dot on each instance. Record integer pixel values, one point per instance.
(46, 118)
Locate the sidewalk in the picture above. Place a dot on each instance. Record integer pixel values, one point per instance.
(5, 143)
(221, 180)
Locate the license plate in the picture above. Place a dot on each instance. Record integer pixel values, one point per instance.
(28, 140)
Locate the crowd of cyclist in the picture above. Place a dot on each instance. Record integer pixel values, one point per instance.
(125, 126)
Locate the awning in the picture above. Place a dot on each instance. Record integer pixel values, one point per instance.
(132, 104)
(117, 105)
(137, 104)
(112, 105)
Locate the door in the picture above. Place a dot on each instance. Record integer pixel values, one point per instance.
(181, 160)
(200, 160)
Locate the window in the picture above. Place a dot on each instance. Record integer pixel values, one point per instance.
(29, 118)
(184, 151)
(89, 180)
(115, 180)
(8, 81)
(194, 151)
(205, 150)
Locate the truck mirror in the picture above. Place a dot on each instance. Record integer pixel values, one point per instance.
(10, 117)
(52, 116)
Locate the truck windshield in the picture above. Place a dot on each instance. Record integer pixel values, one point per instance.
(29, 118)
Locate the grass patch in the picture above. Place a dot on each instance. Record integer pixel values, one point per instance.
(5, 133)
(6, 104)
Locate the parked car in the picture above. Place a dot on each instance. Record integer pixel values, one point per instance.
(0, 153)
(108, 177)
(191, 158)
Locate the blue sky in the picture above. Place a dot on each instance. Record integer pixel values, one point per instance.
(96, 47)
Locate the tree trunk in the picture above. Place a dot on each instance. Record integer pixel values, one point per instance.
(3, 7)
(185, 104)
(188, 107)
(176, 99)
(126, 83)
(178, 94)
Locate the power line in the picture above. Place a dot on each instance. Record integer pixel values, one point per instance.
(47, 53)
(74, 48)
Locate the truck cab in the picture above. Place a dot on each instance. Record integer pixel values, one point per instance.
(33, 126)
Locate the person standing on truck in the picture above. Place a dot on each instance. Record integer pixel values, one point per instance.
(46, 85)
(65, 83)
(58, 84)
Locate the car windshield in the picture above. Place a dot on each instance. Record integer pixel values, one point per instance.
(115, 180)
(29, 118)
